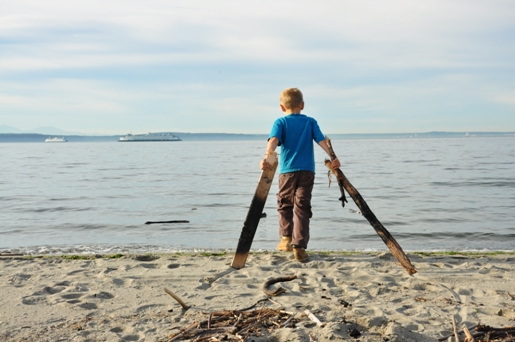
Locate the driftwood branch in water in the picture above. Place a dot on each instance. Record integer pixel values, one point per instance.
(175, 221)
(387, 238)
(279, 290)
(184, 306)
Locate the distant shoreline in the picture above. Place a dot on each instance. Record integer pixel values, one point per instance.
(36, 137)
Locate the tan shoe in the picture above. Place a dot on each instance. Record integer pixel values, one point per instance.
(300, 254)
(285, 244)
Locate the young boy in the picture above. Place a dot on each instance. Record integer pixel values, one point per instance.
(295, 133)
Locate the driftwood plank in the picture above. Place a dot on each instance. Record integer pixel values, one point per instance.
(383, 233)
(255, 213)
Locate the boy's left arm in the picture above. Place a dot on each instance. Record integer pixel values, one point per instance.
(335, 164)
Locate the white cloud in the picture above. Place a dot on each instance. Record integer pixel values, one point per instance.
(383, 61)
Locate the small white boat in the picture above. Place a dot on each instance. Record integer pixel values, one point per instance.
(165, 136)
(56, 139)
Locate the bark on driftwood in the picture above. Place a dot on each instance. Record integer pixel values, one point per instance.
(387, 238)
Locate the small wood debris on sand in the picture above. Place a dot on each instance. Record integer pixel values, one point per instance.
(234, 325)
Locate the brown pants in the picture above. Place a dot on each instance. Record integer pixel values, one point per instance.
(294, 205)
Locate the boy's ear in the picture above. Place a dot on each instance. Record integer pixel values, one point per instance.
(283, 108)
(302, 106)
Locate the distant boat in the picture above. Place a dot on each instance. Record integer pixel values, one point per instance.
(56, 139)
(164, 136)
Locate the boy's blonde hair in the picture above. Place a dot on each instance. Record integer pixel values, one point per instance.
(291, 98)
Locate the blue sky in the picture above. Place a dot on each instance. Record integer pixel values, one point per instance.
(110, 67)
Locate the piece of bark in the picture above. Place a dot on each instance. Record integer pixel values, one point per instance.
(383, 233)
(173, 221)
(279, 290)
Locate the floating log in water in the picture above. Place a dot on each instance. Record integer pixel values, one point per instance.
(175, 221)
(387, 238)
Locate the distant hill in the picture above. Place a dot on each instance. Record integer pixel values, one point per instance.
(35, 137)
(40, 130)
(9, 129)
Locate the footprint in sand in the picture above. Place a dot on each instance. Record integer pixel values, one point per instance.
(19, 279)
(34, 300)
(41, 296)
(151, 307)
(88, 306)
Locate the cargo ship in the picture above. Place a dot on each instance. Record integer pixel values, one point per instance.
(164, 136)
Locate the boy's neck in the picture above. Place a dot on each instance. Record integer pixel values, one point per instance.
(288, 111)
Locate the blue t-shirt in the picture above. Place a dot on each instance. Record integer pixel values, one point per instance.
(296, 133)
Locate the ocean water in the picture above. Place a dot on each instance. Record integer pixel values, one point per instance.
(432, 194)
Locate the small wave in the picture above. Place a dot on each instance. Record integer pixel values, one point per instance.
(56, 209)
(100, 250)
(489, 184)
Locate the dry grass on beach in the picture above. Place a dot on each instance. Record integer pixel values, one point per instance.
(356, 297)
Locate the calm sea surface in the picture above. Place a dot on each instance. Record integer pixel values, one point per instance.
(431, 194)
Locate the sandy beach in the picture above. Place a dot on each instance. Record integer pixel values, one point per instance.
(356, 297)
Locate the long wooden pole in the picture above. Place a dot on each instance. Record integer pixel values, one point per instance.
(387, 238)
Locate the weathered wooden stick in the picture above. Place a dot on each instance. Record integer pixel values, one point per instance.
(456, 335)
(383, 233)
(175, 221)
(313, 318)
(494, 332)
(450, 335)
(469, 338)
(279, 290)
(184, 306)
(175, 337)
(287, 322)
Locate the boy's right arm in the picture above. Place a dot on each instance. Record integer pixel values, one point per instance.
(271, 146)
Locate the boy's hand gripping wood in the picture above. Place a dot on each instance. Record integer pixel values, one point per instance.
(387, 238)
(256, 209)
